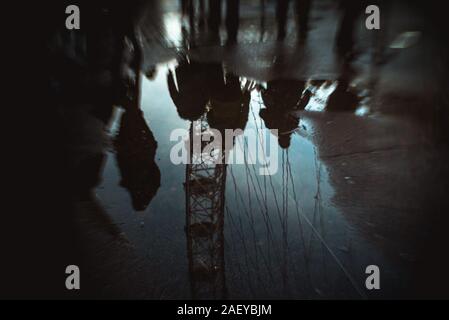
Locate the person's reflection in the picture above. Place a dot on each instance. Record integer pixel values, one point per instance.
(281, 98)
(302, 9)
(232, 18)
(229, 104)
(136, 146)
(188, 91)
(199, 87)
(136, 151)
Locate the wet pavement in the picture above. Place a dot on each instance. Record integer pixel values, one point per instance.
(362, 170)
(283, 236)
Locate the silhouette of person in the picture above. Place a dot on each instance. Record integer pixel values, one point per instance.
(189, 96)
(345, 34)
(106, 27)
(229, 104)
(86, 72)
(202, 17)
(136, 151)
(302, 9)
(232, 18)
(343, 98)
(188, 9)
(280, 98)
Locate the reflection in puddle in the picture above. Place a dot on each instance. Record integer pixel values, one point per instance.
(320, 94)
(135, 150)
(336, 95)
(247, 235)
(358, 138)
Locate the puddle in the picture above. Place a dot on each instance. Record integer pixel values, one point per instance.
(267, 236)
